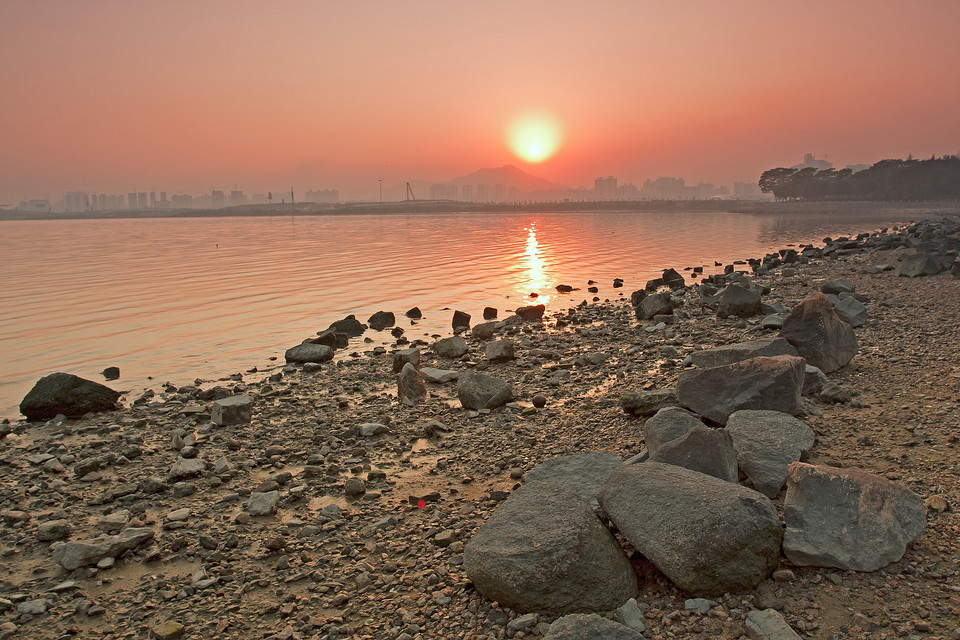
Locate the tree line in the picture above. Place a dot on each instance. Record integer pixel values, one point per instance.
(933, 179)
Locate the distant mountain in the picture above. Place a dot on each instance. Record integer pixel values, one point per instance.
(510, 176)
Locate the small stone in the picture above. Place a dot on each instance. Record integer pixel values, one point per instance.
(937, 503)
(232, 410)
(354, 487)
(263, 504)
(539, 401)
(168, 630)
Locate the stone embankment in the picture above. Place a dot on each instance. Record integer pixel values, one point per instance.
(766, 452)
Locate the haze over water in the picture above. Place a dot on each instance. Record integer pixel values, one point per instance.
(206, 297)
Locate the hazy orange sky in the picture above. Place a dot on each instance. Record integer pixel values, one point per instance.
(182, 96)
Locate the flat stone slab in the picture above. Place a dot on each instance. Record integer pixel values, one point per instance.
(730, 353)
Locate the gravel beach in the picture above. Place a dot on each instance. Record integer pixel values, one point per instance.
(338, 511)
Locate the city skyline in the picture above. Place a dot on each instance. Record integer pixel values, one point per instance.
(107, 97)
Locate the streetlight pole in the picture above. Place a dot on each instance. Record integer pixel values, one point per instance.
(381, 190)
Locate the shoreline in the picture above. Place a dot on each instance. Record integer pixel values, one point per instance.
(372, 566)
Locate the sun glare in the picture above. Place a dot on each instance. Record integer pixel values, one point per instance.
(534, 137)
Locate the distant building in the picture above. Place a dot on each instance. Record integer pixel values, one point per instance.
(181, 201)
(153, 199)
(466, 192)
(809, 162)
(75, 201)
(443, 191)
(664, 188)
(141, 199)
(217, 199)
(36, 205)
(132, 200)
(322, 196)
(259, 198)
(747, 191)
(605, 189)
(237, 198)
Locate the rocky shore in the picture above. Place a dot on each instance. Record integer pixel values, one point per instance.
(338, 497)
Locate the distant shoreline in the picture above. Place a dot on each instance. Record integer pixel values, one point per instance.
(445, 206)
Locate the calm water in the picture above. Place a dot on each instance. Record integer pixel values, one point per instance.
(179, 299)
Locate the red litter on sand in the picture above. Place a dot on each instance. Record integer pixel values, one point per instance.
(421, 503)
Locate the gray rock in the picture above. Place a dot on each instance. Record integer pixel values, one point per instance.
(479, 391)
(263, 503)
(533, 313)
(699, 605)
(819, 335)
(813, 380)
(67, 394)
(702, 449)
(581, 626)
(308, 352)
(411, 390)
(452, 347)
(484, 330)
(920, 264)
(758, 383)
(772, 321)
(403, 356)
(582, 473)
(81, 553)
(656, 304)
(349, 326)
(766, 443)
(544, 550)
(35, 607)
(500, 351)
(54, 530)
(707, 535)
(738, 301)
(851, 311)
(187, 468)
(371, 429)
(730, 353)
(381, 320)
(439, 376)
(629, 615)
(847, 518)
(232, 410)
(838, 286)
(768, 625)
(522, 622)
(668, 424)
(354, 487)
(647, 403)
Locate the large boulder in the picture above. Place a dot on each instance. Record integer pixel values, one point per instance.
(707, 535)
(68, 394)
(668, 424)
(80, 553)
(847, 518)
(647, 403)
(453, 347)
(403, 356)
(673, 279)
(709, 451)
(349, 326)
(545, 550)
(590, 626)
(582, 473)
(308, 352)
(479, 391)
(738, 301)
(819, 335)
(766, 443)
(657, 304)
(773, 383)
(411, 390)
(730, 353)
(532, 313)
(920, 263)
(381, 320)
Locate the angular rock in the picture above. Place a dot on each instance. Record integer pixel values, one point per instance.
(766, 443)
(545, 550)
(533, 313)
(920, 264)
(349, 326)
(479, 391)
(52, 530)
(847, 518)
(672, 279)
(709, 451)
(647, 403)
(773, 383)
(657, 304)
(331, 338)
(484, 330)
(490, 313)
(263, 503)
(738, 301)
(410, 388)
(708, 536)
(838, 286)
(461, 320)
(187, 468)
(582, 473)
(414, 313)
(629, 615)
(590, 626)
(81, 553)
(68, 394)
(308, 352)
(452, 347)
(768, 625)
(403, 356)
(819, 335)
(730, 353)
(851, 311)
(111, 373)
(500, 351)
(381, 320)
(232, 410)
(668, 424)
(813, 380)
(439, 376)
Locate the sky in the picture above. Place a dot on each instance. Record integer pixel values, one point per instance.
(112, 96)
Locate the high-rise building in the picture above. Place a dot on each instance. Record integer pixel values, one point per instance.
(237, 198)
(217, 199)
(132, 200)
(153, 199)
(181, 201)
(605, 188)
(141, 200)
(75, 201)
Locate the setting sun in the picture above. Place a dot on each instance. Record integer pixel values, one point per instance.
(534, 137)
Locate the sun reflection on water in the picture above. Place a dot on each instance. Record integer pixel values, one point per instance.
(536, 276)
